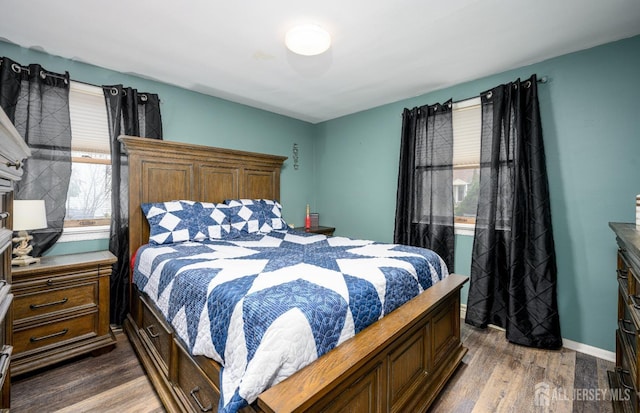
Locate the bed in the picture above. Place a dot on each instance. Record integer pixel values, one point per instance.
(398, 363)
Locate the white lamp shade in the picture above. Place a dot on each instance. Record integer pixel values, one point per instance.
(308, 40)
(29, 214)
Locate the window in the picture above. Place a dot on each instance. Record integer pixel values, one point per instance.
(89, 196)
(467, 122)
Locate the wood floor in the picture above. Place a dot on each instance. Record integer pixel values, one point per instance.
(495, 377)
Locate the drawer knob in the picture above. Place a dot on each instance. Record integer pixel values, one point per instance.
(49, 282)
(623, 274)
(194, 393)
(3, 359)
(623, 326)
(59, 333)
(38, 306)
(151, 333)
(624, 373)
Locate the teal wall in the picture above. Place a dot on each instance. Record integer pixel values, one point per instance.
(348, 166)
(591, 126)
(197, 118)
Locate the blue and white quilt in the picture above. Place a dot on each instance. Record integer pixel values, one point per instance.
(266, 305)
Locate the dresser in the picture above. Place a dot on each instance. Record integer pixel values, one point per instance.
(625, 379)
(61, 309)
(13, 152)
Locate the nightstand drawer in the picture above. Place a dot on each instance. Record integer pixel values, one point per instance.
(45, 335)
(51, 301)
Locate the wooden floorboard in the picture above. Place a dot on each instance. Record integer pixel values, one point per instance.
(88, 378)
(495, 376)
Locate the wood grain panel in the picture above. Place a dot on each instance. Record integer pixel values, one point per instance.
(259, 184)
(362, 396)
(166, 181)
(406, 365)
(446, 328)
(218, 183)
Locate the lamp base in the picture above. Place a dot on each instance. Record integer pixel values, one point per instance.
(24, 261)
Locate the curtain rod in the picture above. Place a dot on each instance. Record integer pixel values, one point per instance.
(57, 76)
(543, 79)
(43, 73)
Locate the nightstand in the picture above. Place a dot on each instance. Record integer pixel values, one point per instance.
(328, 231)
(61, 309)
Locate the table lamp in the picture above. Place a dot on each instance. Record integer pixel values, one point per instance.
(27, 215)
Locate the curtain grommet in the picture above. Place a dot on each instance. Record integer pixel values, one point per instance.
(16, 68)
(114, 91)
(143, 98)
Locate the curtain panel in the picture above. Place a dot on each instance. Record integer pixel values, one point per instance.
(134, 113)
(424, 199)
(37, 102)
(513, 268)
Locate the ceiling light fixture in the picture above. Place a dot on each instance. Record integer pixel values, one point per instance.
(308, 40)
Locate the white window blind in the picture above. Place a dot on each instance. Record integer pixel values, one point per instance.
(467, 121)
(88, 112)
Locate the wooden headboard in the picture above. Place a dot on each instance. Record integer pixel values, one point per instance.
(163, 171)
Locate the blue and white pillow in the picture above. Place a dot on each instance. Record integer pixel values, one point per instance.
(272, 211)
(246, 215)
(169, 222)
(179, 221)
(212, 221)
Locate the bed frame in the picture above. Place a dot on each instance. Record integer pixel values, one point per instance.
(400, 363)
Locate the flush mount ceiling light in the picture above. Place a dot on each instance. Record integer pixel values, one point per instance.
(308, 40)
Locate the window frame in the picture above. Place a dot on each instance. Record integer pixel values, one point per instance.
(466, 226)
(73, 230)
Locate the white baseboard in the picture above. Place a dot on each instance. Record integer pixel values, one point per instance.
(566, 343)
(590, 350)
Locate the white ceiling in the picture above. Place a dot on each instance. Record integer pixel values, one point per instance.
(383, 50)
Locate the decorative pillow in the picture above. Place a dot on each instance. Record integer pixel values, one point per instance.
(212, 221)
(246, 215)
(179, 221)
(169, 222)
(272, 211)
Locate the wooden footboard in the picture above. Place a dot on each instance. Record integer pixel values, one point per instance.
(399, 363)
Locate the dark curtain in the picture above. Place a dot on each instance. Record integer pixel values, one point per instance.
(424, 201)
(513, 268)
(137, 114)
(37, 102)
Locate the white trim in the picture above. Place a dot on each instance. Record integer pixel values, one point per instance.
(84, 233)
(590, 350)
(566, 343)
(464, 229)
